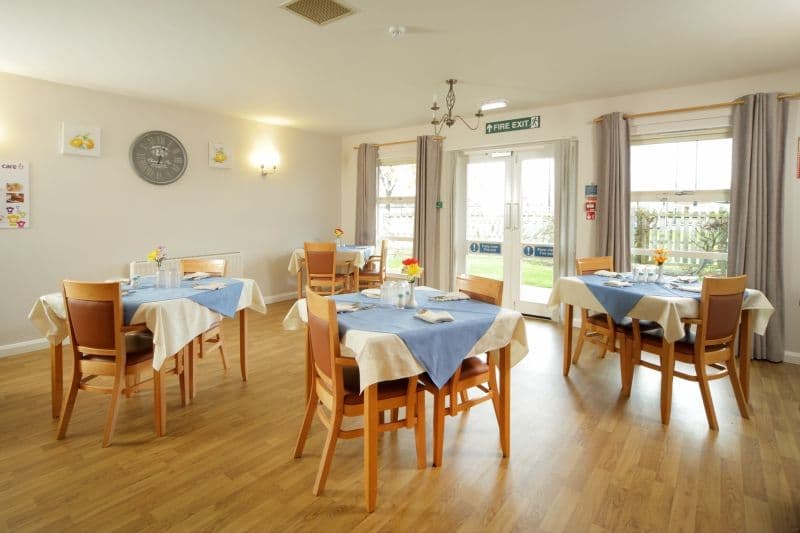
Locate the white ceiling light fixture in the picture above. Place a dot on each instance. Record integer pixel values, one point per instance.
(397, 31)
(491, 105)
(448, 118)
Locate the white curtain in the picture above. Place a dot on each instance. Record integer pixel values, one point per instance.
(366, 194)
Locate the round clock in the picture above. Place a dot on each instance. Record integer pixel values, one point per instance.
(158, 157)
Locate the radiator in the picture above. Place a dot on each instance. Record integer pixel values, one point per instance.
(234, 266)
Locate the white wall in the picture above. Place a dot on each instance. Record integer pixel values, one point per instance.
(91, 216)
(575, 120)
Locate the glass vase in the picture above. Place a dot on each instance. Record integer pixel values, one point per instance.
(660, 278)
(411, 301)
(162, 278)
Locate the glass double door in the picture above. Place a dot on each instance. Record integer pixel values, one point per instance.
(510, 224)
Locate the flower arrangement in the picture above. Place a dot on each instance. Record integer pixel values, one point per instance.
(661, 256)
(338, 232)
(411, 269)
(158, 255)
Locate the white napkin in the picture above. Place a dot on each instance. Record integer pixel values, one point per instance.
(209, 286)
(197, 275)
(346, 307)
(449, 296)
(434, 316)
(124, 281)
(615, 283)
(607, 273)
(686, 279)
(371, 293)
(690, 288)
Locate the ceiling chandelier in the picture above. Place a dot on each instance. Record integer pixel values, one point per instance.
(448, 118)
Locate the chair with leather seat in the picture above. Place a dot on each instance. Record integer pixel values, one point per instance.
(103, 346)
(212, 338)
(709, 347)
(373, 273)
(474, 372)
(335, 391)
(320, 269)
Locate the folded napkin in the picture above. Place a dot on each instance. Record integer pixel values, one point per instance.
(209, 286)
(434, 316)
(449, 296)
(346, 307)
(607, 273)
(197, 275)
(686, 279)
(371, 293)
(615, 283)
(690, 288)
(124, 281)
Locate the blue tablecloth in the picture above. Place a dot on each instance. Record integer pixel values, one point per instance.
(439, 348)
(366, 249)
(618, 301)
(223, 301)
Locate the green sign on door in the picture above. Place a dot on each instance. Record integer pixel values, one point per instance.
(513, 124)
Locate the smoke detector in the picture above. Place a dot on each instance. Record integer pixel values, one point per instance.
(318, 11)
(397, 31)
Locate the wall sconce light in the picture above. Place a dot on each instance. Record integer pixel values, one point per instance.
(267, 161)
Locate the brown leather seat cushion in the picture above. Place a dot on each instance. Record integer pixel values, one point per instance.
(470, 367)
(386, 389)
(684, 345)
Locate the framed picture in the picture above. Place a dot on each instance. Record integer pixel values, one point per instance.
(219, 155)
(80, 139)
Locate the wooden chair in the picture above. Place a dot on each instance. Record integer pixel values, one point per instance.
(373, 273)
(711, 344)
(320, 269)
(335, 385)
(597, 328)
(102, 346)
(473, 372)
(211, 339)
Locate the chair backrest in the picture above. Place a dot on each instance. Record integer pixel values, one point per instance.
(94, 315)
(720, 309)
(590, 265)
(320, 259)
(323, 333)
(215, 267)
(484, 289)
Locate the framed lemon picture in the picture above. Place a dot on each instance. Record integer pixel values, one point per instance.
(80, 139)
(219, 155)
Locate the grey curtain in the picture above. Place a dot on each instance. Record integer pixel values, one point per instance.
(426, 215)
(612, 149)
(755, 244)
(566, 199)
(366, 194)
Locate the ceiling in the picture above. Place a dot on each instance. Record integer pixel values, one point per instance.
(252, 59)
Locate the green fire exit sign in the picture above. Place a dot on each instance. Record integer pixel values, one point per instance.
(513, 124)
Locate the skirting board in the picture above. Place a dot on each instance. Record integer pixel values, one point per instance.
(7, 350)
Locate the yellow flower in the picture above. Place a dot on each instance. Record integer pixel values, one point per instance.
(413, 270)
(152, 256)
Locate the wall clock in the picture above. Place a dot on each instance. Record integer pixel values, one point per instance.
(158, 157)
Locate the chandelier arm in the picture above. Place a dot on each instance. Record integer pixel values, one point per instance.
(477, 125)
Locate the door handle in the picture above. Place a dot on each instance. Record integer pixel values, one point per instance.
(507, 216)
(517, 220)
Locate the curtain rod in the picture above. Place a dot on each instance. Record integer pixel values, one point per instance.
(436, 137)
(695, 108)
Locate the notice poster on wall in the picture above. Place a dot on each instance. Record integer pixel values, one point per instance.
(16, 190)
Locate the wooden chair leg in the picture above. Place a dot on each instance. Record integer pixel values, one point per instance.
(68, 404)
(221, 350)
(464, 396)
(579, 346)
(626, 366)
(327, 454)
(311, 407)
(419, 430)
(737, 387)
(705, 392)
(159, 403)
(113, 408)
(438, 427)
(180, 368)
(495, 395)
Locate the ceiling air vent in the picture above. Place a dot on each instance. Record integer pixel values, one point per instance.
(318, 11)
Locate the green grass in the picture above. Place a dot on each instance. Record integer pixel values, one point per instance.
(536, 272)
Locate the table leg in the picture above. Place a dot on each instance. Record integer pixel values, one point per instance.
(505, 399)
(191, 370)
(745, 337)
(667, 369)
(160, 402)
(243, 343)
(568, 313)
(371, 446)
(299, 283)
(56, 377)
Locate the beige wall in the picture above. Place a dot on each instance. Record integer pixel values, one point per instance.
(575, 120)
(91, 216)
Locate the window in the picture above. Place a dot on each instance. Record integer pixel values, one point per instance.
(397, 190)
(680, 200)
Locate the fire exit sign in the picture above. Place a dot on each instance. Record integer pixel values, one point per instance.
(514, 124)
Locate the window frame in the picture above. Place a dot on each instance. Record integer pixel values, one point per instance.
(394, 200)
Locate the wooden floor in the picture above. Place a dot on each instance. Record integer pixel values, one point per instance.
(582, 458)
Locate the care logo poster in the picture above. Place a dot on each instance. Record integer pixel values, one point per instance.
(16, 195)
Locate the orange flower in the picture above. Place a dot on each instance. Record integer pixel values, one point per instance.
(660, 256)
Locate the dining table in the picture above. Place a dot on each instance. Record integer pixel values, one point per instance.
(667, 304)
(389, 343)
(354, 254)
(175, 316)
